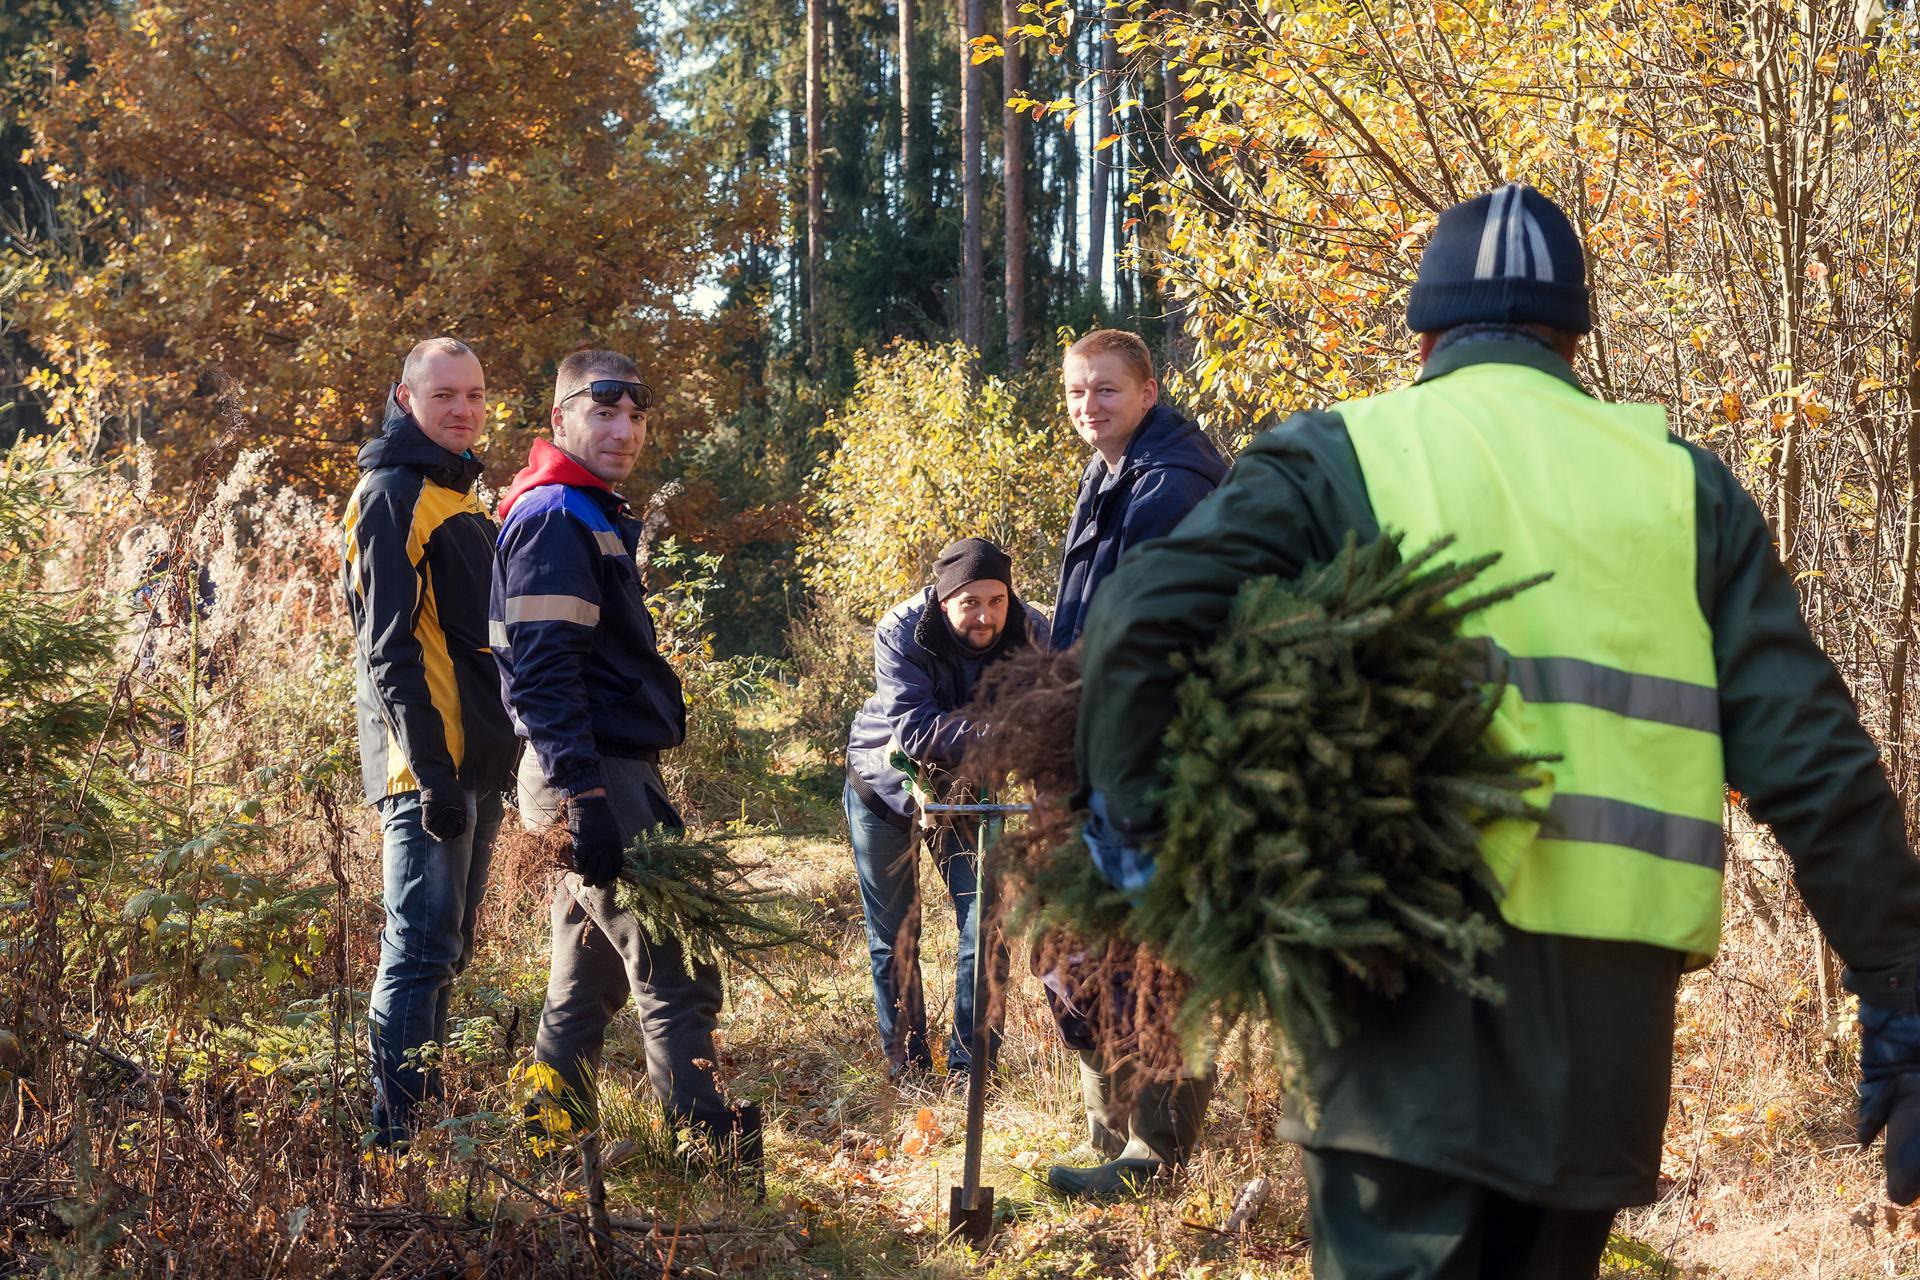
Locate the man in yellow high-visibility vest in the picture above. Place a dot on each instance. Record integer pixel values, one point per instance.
(1664, 659)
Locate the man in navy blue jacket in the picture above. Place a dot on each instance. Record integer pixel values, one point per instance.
(1151, 466)
(597, 704)
(928, 656)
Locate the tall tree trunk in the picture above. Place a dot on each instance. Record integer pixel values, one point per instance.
(816, 175)
(1120, 183)
(1098, 123)
(972, 90)
(1118, 160)
(1170, 100)
(1013, 140)
(799, 290)
(906, 100)
(1179, 347)
(1069, 168)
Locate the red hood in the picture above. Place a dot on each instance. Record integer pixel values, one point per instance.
(547, 464)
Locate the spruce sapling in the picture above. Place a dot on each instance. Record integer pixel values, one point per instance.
(1327, 775)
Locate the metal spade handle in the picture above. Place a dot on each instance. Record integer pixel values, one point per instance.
(970, 1205)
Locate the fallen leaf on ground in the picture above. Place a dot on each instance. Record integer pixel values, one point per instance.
(924, 1134)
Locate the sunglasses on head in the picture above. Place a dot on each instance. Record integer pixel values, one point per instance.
(609, 391)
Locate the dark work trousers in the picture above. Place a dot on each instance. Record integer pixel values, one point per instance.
(1378, 1219)
(601, 956)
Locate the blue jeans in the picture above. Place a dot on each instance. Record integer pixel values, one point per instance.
(432, 892)
(887, 860)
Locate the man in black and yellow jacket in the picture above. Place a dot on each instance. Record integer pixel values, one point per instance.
(436, 747)
(1663, 660)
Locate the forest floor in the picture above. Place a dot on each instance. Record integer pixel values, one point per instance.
(252, 1162)
(1761, 1176)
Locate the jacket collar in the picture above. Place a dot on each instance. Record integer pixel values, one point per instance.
(933, 634)
(1164, 438)
(1492, 350)
(401, 443)
(547, 463)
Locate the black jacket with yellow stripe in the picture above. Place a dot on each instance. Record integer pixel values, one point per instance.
(416, 567)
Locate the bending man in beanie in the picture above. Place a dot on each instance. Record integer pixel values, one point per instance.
(1150, 466)
(1665, 659)
(928, 655)
(597, 705)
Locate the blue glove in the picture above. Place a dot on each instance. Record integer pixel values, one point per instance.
(1890, 1094)
(1122, 861)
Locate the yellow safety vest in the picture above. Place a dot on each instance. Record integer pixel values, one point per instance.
(1609, 663)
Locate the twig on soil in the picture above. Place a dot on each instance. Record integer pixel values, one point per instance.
(556, 1211)
(713, 1227)
(395, 1255)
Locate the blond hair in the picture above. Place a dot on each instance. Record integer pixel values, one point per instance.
(1130, 347)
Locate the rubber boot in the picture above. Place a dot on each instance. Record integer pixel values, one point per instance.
(1162, 1131)
(1106, 1126)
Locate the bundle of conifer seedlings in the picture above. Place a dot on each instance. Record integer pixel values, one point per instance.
(1324, 784)
(693, 889)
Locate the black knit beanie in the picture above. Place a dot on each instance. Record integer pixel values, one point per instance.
(966, 560)
(1507, 257)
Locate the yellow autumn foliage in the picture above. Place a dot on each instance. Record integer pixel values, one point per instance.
(918, 459)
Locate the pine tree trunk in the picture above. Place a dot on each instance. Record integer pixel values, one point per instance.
(816, 175)
(1069, 166)
(1170, 100)
(1098, 128)
(1120, 181)
(1179, 347)
(906, 100)
(1013, 135)
(972, 91)
(799, 291)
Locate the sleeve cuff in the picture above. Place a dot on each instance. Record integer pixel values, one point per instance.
(1891, 987)
(585, 778)
(1134, 817)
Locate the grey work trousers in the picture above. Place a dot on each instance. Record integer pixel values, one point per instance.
(601, 956)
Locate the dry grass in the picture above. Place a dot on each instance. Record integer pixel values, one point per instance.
(260, 1173)
(1761, 1175)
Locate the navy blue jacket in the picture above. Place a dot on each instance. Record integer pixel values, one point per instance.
(579, 666)
(1169, 466)
(923, 676)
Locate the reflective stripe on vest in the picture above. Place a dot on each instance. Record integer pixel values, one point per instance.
(1609, 664)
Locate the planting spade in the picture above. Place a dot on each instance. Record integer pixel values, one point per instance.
(970, 1205)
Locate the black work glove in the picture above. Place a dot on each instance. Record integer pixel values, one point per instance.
(443, 810)
(1890, 1094)
(598, 851)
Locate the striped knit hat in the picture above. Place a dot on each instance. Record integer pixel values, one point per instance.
(1507, 257)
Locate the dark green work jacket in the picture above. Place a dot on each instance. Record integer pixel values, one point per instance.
(1559, 1096)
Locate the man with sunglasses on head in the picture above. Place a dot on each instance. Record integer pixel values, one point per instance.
(589, 691)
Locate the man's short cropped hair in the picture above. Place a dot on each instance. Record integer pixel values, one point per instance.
(582, 367)
(1128, 346)
(415, 367)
